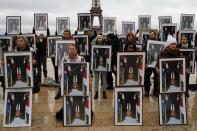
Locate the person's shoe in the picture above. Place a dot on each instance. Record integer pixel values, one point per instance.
(96, 95)
(58, 95)
(146, 94)
(104, 95)
(187, 94)
(155, 94)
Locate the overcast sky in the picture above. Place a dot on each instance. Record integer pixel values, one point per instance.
(123, 10)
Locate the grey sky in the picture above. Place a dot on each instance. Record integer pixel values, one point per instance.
(124, 10)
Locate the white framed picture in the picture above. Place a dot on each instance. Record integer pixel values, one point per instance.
(18, 69)
(51, 43)
(128, 106)
(40, 21)
(13, 25)
(172, 109)
(187, 21)
(84, 21)
(62, 24)
(172, 75)
(190, 35)
(144, 22)
(17, 108)
(128, 27)
(82, 45)
(168, 29)
(109, 25)
(164, 20)
(130, 68)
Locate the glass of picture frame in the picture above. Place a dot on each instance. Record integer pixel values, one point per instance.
(18, 69)
(40, 21)
(164, 20)
(172, 75)
(187, 21)
(190, 34)
(130, 68)
(128, 106)
(17, 107)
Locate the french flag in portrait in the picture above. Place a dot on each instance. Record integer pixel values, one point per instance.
(87, 111)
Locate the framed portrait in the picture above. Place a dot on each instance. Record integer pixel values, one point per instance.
(17, 108)
(40, 21)
(190, 54)
(61, 49)
(154, 49)
(172, 109)
(13, 25)
(109, 25)
(77, 111)
(101, 58)
(190, 34)
(128, 106)
(6, 42)
(84, 21)
(145, 34)
(168, 29)
(130, 68)
(122, 39)
(18, 70)
(32, 40)
(172, 75)
(51, 43)
(187, 21)
(62, 24)
(81, 42)
(75, 80)
(144, 22)
(139, 47)
(1, 65)
(128, 27)
(164, 20)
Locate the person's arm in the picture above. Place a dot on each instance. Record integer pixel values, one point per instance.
(48, 32)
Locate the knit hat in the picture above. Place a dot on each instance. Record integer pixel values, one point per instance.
(99, 36)
(170, 40)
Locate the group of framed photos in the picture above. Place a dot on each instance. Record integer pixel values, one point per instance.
(18, 93)
(76, 94)
(129, 91)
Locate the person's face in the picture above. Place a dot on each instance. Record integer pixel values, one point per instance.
(72, 50)
(172, 113)
(21, 43)
(75, 85)
(152, 35)
(172, 81)
(41, 36)
(100, 40)
(77, 114)
(128, 112)
(130, 75)
(66, 35)
(184, 40)
(130, 47)
(130, 37)
(18, 76)
(172, 46)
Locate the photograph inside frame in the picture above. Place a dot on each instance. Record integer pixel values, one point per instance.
(51, 41)
(62, 25)
(6, 43)
(128, 106)
(187, 22)
(172, 75)
(18, 108)
(13, 25)
(81, 42)
(77, 111)
(168, 29)
(101, 58)
(172, 109)
(144, 23)
(75, 80)
(128, 27)
(130, 69)
(18, 70)
(190, 35)
(41, 21)
(109, 25)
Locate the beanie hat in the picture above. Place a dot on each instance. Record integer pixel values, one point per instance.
(99, 36)
(170, 40)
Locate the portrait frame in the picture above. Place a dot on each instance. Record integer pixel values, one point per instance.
(85, 45)
(76, 75)
(132, 71)
(187, 25)
(62, 45)
(144, 35)
(88, 22)
(26, 107)
(135, 104)
(106, 20)
(167, 27)
(176, 104)
(150, 57)
(163, 19)
(25, 70)
(51, 43)
(31, 38)
(188, 34)
(129, 24)
(16, 25)
(105, 58)
(139, 47)
(44, 21)
(172, 77)
(66, 26)
(1, 65)
(7, 42)
(147, 24)
(76, 105)
(191, 58)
